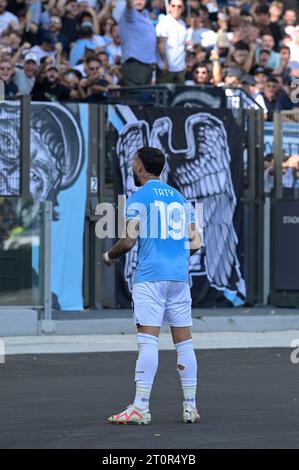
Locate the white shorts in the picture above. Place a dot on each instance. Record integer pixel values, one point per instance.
(162, 302)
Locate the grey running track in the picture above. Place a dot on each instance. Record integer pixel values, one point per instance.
(249, 398)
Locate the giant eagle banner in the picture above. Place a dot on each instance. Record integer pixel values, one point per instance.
(204, 161)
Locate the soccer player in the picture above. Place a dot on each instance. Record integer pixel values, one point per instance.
(164, 223)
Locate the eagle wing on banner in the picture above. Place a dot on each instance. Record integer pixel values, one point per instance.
(132, 137)
(202, 173)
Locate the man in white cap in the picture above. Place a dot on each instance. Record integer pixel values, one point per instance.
(25, 77)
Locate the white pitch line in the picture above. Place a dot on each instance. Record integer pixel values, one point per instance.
(58, 344)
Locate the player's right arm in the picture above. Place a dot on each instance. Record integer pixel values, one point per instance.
(124, 244)
(133, 215)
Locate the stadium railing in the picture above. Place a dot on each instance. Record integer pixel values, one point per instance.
(283, 212)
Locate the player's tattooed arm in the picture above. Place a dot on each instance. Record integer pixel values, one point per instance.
(194, 239)
(121, 247)
(124, 244)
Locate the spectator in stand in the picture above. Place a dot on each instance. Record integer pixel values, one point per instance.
(138, 40)
(198, 34)
(7, 19)
(104, 59)
(172, 40)
(268, 43)
(55, 27)
(105, 29)
(294, 45)
(201, 54)
(5, 54)
(249, 85)
(16, 6)
(89, 14)
(240, 56)
(6, 73)
(158, 7)
(263, 58)
(116, 76)
(195, 4)
(276, 10)
(96, 84)
(275, 98)
(69, 11)
(38, 14)
(46, 49)
(223, 45)
(24, 77)
(114, 48)
(260, 75)
(287, 67)
(71, 79)
(288, 22)
(106, 11)
(85, 42)
(82, 66)
(62, 61)
(263, 22)
(232, 78)
(13, 41)
(201, 75)
(190, 62)
(87, 18)
(86, 4)
(50, 88)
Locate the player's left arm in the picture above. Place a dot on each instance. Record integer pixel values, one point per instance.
(194, 238)
(124, 244)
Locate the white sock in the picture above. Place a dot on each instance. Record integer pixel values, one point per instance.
(187, 368)
(146, 368)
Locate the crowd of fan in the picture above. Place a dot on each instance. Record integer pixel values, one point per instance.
(62, 50)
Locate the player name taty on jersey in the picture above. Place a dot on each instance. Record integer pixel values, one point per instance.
(164, 192)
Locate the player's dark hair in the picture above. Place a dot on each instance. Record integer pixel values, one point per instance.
(153, 160)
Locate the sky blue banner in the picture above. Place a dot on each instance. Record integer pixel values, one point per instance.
(59, 149)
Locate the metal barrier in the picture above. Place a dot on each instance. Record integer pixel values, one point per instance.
(25, 256)
(253, 207)
(284, 212)
(46, 323)
(199, 96)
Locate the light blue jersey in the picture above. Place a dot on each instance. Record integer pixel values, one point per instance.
(163, 243)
